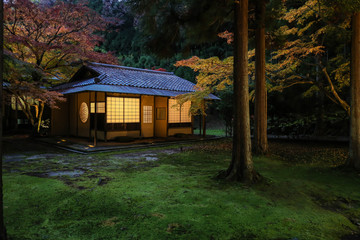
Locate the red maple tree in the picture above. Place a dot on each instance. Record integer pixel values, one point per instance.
(52, 38)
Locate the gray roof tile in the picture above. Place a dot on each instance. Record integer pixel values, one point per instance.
(113, 78)
(134, 77)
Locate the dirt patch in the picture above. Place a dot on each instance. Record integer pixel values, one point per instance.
(110, 222)
(159, 215)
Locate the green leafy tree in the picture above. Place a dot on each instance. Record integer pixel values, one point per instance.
(313, 54)
(315, 31)
(174, 26)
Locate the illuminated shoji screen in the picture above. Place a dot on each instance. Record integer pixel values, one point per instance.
(185, 112)
(122, 110)
(100, 107)
(147, 114)
(174, 111)
(177, 114)
(114, 110)
(132, 110)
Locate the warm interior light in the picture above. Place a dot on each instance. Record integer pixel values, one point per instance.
(177, 114)
(100, 107)
(147, 114)
(122, 110)
(84, 112)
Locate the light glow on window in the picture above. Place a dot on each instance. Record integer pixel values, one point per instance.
(147, 114)
(185, 112)
(115, 110)
(122, 110)
(100, 107)
(174, 111)
(132, 110)
(84, 112)
(177, 114)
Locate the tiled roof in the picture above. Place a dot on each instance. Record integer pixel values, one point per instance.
(123, 89)
(113, 78)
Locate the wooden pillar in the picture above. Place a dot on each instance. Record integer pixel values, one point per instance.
(192, 125)
(200, 126)
(16, 113)
(90, 129)
(77, 114)
(105, 129)
(167, 117)
(204, 120)
(95, 121)
(154, 118)
(141, 116)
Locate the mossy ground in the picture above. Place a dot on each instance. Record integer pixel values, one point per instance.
(126, 196)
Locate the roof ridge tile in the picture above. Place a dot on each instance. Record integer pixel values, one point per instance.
(130, 68)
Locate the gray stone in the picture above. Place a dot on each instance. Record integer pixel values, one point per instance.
(75, 173)
(14, 158)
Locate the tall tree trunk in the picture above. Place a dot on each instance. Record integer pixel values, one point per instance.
(260, 144)
(204, 119)
(2, 224)
(200, 120)
(354, 156)
(241, 167)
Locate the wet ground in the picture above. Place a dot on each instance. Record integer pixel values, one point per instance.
(87, 146)
(23, 155)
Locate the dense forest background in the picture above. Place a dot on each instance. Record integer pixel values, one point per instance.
(294, 108)
(295, 53)
(307, 54)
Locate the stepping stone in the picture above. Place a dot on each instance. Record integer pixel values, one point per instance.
(14, 158)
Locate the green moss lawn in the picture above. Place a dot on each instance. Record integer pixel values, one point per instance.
(172, 194)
